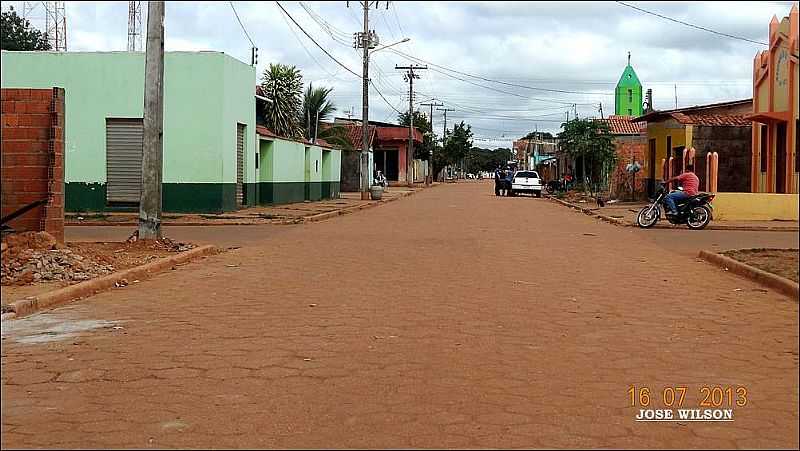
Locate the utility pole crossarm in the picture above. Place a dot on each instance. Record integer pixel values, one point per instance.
(410, 76)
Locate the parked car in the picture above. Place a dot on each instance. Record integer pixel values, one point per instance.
(526, 182)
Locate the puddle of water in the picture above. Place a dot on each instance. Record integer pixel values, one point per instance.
(50, 327)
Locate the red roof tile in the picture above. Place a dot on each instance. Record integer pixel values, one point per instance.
(623, 125)
(264, 131)
(355, 135)
(722, 120)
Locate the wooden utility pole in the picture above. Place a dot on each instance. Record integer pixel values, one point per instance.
(410, 76)
(153, 125)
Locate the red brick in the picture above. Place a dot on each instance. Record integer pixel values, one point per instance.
(41, 94)
(8, 106)
(34, 120)
(15, 133)
(30, 173)
(10, 120)
(16, 94)
(37, 106)
(25, 159)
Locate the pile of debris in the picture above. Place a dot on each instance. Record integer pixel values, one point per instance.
(37, 257)
(162, 243)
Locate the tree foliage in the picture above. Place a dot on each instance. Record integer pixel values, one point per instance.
(18, 34)
(283, 86)
(317, 107)
(592, 142)
(479, 159)
(457, 144)
(423, 151)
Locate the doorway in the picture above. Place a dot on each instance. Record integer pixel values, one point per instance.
(780, 158)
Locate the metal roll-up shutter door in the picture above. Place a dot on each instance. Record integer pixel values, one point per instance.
(124, 139)
(239, 163)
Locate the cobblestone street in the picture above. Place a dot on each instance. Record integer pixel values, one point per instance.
(451, 318)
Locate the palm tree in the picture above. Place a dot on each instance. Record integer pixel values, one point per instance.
(316, 108)
(283, 86)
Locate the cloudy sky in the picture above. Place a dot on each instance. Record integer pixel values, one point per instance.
(544, 47)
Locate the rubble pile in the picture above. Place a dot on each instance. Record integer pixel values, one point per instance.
(36, 257)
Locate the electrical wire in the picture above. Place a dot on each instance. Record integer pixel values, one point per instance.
(242, 25)
(692, 25)
(314, 41)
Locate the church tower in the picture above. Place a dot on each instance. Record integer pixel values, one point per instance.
(628, 94)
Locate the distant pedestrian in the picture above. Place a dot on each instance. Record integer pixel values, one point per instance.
(508, 179)
(498, 182)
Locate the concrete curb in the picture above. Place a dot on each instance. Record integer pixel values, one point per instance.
(780, 284)
(94, 286)
(306, 219)
(622, 223)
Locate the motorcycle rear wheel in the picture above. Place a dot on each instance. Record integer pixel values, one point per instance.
(646, 218)
(699, 218)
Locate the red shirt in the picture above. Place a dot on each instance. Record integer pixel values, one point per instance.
(690, 183)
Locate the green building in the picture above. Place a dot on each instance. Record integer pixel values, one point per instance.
(628, 94)
(214, 161)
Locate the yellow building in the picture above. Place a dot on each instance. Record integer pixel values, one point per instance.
(775, 110)
(719, 127)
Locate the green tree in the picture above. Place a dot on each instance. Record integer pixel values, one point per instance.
(18, 34)
(317, 107)
(283, 86)
(457, 145)
(421, 123)
(479, 159)
(590, 141)
(539, 135)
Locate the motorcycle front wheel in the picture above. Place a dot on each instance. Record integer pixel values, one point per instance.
(699, 218)
(648, 217)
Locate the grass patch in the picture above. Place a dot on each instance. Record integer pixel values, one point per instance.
(782, 262)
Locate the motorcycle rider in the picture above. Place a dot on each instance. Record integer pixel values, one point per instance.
(690, 184)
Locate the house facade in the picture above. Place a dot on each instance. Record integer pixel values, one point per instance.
(630, 144)
(213, 159)
(388, 153)
(775, 160)
(209, 126)
(721, 127)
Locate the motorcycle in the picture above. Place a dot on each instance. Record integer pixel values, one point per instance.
(694, 211)
(380, 179)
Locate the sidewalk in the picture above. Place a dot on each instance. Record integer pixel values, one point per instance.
(624, 214)
(295, 213)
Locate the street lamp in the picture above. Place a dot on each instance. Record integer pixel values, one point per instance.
(390, 45)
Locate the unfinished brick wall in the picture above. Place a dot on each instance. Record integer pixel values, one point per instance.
(629, 149)
(33, 158)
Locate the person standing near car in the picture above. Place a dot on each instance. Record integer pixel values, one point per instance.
(508, 179)
(498, 182)
(690, 183)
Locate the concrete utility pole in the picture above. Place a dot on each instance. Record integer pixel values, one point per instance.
(410, 76)
(430, 119)
(152, 148)
(365, 40)
(444, 125)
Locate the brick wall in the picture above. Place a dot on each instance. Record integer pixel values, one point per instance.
(32, 155)
(733, 144)
(629, 148)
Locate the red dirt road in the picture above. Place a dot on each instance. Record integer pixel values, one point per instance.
(448, 319)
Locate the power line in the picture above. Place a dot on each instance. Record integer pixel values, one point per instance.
(563, 91)
(692, 25)
(314, 41)
(242, 25)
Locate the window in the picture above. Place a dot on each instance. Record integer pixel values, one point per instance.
(630, 112)
(527, 174)
(630, 95)
(764, 147)
(256, 160)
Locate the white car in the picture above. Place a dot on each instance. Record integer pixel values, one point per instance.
(526, 182)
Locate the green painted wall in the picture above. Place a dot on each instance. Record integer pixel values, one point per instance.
(628, 94)
(205, 95)
(291, 171)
